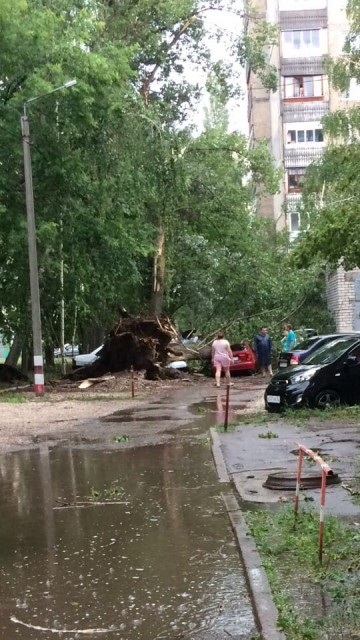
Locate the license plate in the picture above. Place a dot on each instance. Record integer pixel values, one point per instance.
(283, 364)
(273, 399)
(235, 358)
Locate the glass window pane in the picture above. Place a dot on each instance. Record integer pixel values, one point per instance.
(294, 221)
(306, 35)
(301, 136)
(288, 36)
(310, 136)
(308, 87)
(289, 87)
(319, 137)
(315, 37)
(297, 39)
(318, 86)
(291, 136)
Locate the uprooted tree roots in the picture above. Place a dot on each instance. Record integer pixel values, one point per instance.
(139, 342)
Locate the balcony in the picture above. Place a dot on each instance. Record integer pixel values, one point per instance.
(312, 19)
(310, 111)
(301, 157)
(314, 66)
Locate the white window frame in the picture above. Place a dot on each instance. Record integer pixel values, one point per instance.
(303, 37)
(300, 5)
(352, 94)
(303, 135)
(297, 171)
(293, 85)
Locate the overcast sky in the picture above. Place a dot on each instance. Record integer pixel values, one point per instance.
(230, 26)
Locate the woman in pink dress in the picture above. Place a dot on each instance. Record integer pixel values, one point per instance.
(222, 358)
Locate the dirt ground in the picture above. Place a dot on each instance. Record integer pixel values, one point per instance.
(65, 409)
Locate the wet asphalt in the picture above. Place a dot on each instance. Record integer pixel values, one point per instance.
(107, 540)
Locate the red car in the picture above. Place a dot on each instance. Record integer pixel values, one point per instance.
(244, 358)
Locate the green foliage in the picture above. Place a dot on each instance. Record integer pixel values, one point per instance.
(111, 493)
(290, 558)
(114, 163)
(254, 47)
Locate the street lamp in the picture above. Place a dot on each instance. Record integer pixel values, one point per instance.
(33, 261)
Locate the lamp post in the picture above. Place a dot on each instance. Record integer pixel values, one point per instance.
(33, 261)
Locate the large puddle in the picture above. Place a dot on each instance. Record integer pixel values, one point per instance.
(131, 544)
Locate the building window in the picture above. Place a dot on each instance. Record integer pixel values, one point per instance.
(301, 136)
(288, 5)
(296, 180)
(301, 43)
(353, 91)
(300, 87)
(294, 222)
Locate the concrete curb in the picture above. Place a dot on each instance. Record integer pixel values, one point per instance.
(218, 456)
(265, 610)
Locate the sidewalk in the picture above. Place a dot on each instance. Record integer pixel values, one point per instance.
(246, 455)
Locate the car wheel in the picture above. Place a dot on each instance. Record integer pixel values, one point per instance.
(327, 399)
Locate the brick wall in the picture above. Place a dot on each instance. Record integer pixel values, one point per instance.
(340, 294)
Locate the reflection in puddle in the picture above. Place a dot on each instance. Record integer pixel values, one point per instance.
(159, 563)
(124, 417)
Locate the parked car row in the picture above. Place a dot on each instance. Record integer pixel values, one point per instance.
(328, 376)
(70, 350)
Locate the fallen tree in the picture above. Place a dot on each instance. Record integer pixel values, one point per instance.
(142, 343)
(11, 374)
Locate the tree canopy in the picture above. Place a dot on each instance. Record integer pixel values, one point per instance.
(128, 199)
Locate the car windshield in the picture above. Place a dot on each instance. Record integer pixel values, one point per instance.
(305, 344)
(331, 351)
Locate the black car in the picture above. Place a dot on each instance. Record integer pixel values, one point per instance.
(306, 348)
(329, 377)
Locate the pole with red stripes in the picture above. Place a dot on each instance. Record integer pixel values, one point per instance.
(325, 470)
(39, 383)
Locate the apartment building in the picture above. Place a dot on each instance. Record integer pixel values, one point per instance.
(290, 118)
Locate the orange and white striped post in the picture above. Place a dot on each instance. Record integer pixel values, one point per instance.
(226, 419)
(325, 470)
(132, 382)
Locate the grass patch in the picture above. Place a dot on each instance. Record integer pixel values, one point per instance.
(299, 584)
(231, 427)
(268, 434)
(302, 415)
(121, 438)
(13, 398)
(114, 492)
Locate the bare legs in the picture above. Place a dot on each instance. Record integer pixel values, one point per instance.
(218, 374)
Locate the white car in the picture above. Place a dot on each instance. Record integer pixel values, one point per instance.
(86, 358)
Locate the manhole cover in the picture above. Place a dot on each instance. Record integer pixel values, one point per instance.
(286, 481)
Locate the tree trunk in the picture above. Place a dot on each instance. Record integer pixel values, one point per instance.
(49, 355)
(157, 298)
(15, 351)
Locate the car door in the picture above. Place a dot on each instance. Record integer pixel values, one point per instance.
(352, 375)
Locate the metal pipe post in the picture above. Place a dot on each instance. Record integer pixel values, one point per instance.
(226, 420)
(33, 262)
(298, 483)
(322, 514)
(132, 383)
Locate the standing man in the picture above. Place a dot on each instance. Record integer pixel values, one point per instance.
(290, 338)
(263, 349)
